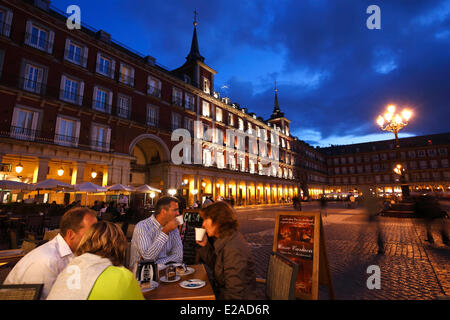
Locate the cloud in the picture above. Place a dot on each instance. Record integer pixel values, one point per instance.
(334, 75)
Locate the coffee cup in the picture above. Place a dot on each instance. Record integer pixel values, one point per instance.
(180, 219)
(199, 234)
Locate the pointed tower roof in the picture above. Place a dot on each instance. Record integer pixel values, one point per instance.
(194, 54)
(276, 110)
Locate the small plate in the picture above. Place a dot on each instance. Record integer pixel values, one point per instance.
(192, 284)
(163, 279)
(153, 286)
(188, 271)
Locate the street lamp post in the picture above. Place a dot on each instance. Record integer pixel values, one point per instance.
(394, 122)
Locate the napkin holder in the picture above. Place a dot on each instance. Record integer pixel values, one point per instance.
(147, 270)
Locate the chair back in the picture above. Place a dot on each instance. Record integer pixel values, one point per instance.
(130, 231)
(281, 277)
(28, 245)
(35, 224)
(49, 235)
(127, 256)
(54, 222)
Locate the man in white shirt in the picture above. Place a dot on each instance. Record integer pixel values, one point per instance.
(43, 264)
(123, 200)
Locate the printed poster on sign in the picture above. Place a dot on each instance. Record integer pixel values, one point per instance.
(296, 241)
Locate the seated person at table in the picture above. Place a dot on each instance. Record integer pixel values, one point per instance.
(99, 267)
(43, 264)
(157, 238)
(229, 257)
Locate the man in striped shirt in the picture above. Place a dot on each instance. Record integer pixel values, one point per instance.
(157, 238)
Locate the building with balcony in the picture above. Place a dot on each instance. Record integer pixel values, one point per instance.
(104, 113)
(425, 158)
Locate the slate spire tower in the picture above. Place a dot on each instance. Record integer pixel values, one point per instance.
(194, 71)
(194, 54)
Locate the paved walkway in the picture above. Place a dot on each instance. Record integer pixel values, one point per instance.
(410, 267)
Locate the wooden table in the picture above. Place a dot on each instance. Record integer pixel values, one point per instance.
(173, 290)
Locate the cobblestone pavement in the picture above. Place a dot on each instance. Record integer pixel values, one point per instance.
(410, 268)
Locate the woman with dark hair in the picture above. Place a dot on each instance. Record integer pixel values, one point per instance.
(229, 257)
(97, 271)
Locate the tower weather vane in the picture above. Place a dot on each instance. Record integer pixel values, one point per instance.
(195, 18)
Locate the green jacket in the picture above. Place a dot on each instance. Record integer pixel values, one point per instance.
(116, 283)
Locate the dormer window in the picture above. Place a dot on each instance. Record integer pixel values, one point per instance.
(206, 86)
(187, 79)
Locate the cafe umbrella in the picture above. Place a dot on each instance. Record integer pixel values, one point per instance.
(89, 187)
(147, 189)
(120, 188)
(51, 185)
(14, 185)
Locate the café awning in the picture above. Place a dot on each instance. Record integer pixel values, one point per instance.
(120, 187)
(51, 184)
(14, 185)
(147, 189)
(89, 187)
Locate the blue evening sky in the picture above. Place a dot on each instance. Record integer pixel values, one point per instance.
(334, 75)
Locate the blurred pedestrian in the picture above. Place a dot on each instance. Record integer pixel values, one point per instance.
(323, 206)
(207, 202)
(372, 207)
(428, 208)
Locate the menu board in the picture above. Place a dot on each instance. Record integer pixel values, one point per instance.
(298, 237)
(192, 220)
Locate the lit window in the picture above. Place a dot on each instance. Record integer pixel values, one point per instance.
(206, 85)
(126, 75)
(205, 109)
(218, 114)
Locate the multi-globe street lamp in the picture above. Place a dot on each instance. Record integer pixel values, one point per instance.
(394, 122)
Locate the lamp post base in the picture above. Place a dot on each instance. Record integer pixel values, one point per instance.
(405, 191)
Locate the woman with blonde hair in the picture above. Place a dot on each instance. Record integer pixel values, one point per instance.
(229, 257)
(97, 272)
